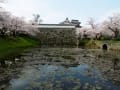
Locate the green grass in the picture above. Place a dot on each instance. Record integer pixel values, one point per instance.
(93, 44)
(14, 45)
(112, 44)
(10, 46)
(96, 44)
(90, 44)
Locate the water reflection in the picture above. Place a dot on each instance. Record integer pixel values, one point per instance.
(65, 69)
(51, 77)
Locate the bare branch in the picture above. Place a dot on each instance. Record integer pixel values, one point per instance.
(91, 22)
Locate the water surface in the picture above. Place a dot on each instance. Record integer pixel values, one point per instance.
(63, 69)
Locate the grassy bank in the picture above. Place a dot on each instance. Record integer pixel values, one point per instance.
(10, 46)
(14, 45)
(97, 44)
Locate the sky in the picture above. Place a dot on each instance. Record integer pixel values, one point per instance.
(55, 11)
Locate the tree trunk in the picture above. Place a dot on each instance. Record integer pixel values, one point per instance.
(116, 31)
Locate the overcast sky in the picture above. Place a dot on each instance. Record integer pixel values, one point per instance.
(55, 11)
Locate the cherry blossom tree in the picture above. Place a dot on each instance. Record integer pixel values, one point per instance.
(113, 24)
(91, 23)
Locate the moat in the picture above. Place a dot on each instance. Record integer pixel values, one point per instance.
(61, 69)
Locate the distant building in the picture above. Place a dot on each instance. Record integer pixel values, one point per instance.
(75, 23)
(67, 21)
(63, 33)
(57, 26)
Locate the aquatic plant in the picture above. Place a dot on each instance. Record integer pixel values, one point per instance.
(115, 63)
(92, 44)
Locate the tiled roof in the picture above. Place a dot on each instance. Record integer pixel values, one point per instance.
(54, 26)
(58, 24)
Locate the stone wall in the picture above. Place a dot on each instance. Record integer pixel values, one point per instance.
(57, 37)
